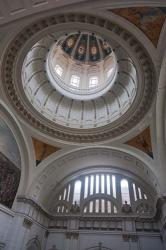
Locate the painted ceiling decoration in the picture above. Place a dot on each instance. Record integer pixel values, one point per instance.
(148, 19)
(86, 47)
(80, 67)
(42, 150)
(8, 144)
(143, 142)
(9, 180)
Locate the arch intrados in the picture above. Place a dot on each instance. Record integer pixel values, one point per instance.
(56, 170)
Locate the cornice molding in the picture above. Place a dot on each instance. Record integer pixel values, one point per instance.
(116, 218)
(16, 10)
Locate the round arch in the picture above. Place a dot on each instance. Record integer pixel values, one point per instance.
(159, 122)
(58, 167)
(33, 244)
(98, 247)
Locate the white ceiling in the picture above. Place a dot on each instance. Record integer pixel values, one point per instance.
(11, 10)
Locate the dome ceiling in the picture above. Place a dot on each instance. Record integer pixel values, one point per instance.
(119, 106)
(78, 106)
(77, 73)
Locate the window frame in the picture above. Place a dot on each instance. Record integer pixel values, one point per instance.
(57, 68)
(91, 79)
(73, 78)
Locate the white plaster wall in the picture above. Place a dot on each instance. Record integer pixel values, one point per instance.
(111, 240)
(150, 243)
(57, 239)
(6, 219)
(20, 235)
(14, 235)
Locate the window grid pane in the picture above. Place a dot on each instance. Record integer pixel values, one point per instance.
(139, 193)
(145, 197)
(91, 184)
(125, 191)
(103, 206)
(97, 184)
(75, 80)
(91, 206)
(108, 185)
(93, 81)
(58, 70)
(115, 210)
(102, 184)
(86, 187)
(114, 185)
(77, 192)
(64, 194)
(109, 207)
(97, 206)
(68, 194)
(85, 210)
(134, 190)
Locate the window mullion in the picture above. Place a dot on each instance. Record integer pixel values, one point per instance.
(112, 207)
(82, 190)
(105, 184)
(89, 185)
(99, 205)
(131, 192)
(94, 186)
(136, 188)
(106, 208)
(94, 206)
(71, 197)
(100, 183)
(111, 192)
(118, 189)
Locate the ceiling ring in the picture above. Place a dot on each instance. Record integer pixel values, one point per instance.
(129, 120)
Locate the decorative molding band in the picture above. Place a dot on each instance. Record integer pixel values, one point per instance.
(84, 218)
(29, 201)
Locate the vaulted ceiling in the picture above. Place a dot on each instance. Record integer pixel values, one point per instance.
(137, 32)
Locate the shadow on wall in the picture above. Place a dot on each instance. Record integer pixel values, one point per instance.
(9, 166)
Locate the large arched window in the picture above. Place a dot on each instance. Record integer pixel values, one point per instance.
(104, 193)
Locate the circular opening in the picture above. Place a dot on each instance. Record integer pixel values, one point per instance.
(81, 65)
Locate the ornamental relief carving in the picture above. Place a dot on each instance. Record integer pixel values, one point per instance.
(73, 157)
